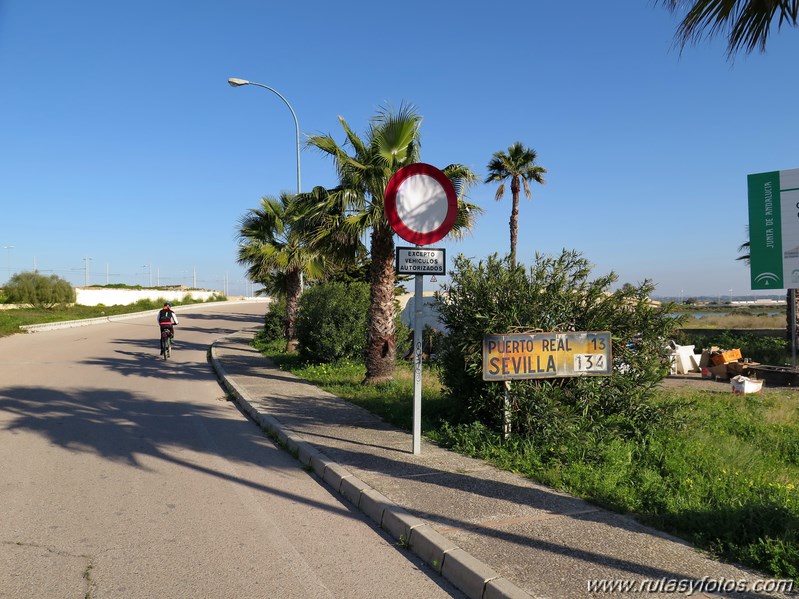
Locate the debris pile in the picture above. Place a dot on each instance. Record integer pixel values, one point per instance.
(717, 364)
(726, 364)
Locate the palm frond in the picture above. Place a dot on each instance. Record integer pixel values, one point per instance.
(745, 23)
(395, 138)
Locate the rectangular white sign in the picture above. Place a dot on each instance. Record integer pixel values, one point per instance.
(421, 261)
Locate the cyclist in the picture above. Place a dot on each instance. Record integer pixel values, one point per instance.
(167, 319)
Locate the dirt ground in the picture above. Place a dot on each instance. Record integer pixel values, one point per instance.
(694, 380)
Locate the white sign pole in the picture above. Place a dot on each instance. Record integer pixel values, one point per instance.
(418, 329)
(421, 206)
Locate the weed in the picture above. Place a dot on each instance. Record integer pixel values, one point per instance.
(87, 576)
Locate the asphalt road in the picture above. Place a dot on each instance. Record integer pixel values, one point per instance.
(124, 476)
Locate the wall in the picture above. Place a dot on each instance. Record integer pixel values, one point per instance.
(93, 296)
(430, 315)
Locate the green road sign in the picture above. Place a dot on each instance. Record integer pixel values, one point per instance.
(774, 229)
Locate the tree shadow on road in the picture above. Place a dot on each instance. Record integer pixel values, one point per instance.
(126, 427)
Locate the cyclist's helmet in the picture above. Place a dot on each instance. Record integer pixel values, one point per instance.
(167, 304)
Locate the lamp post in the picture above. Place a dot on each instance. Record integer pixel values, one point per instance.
(234, 82)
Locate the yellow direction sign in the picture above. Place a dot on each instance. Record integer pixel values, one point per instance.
(546, 355)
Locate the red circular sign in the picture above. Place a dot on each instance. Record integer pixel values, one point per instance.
(421, 204)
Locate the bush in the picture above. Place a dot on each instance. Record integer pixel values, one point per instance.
(39, 291)
(275, 322)
(331, 324)
(493, 297)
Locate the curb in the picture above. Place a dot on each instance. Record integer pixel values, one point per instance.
(68, 324)
(471, 576)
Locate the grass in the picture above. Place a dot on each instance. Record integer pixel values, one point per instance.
(392, 401)
(723, 475)
(725, 479)
(11, 320)
(736, 321)
(740, 317)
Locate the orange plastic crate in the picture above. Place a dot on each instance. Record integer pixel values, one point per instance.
(732, 355)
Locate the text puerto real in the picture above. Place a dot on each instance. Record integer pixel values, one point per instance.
(525, 361)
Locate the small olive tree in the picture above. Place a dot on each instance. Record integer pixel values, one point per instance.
(39, 291)
(556, 294)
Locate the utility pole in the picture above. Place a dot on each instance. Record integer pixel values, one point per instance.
(86, 261)
(8, 249)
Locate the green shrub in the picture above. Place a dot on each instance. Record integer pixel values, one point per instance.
(275, 322)
(331, 324)
(493, 297)
(39, 291)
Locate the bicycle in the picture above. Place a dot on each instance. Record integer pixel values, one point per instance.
(166, 343)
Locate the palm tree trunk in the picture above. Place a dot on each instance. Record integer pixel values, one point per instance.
(515, 188)
(380, 344)
(293, 293)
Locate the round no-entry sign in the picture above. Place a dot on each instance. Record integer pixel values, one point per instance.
(421, 204)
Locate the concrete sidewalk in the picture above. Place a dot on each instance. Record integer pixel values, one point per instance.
(490, 533)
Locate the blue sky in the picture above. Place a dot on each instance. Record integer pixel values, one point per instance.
(124, 147)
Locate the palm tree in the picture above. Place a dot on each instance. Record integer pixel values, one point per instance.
(746, 23)
(518, 165)
(322, 215)
(355, 207)
(745, 256)
(277, 253)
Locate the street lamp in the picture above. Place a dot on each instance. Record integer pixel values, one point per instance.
(234, 82)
